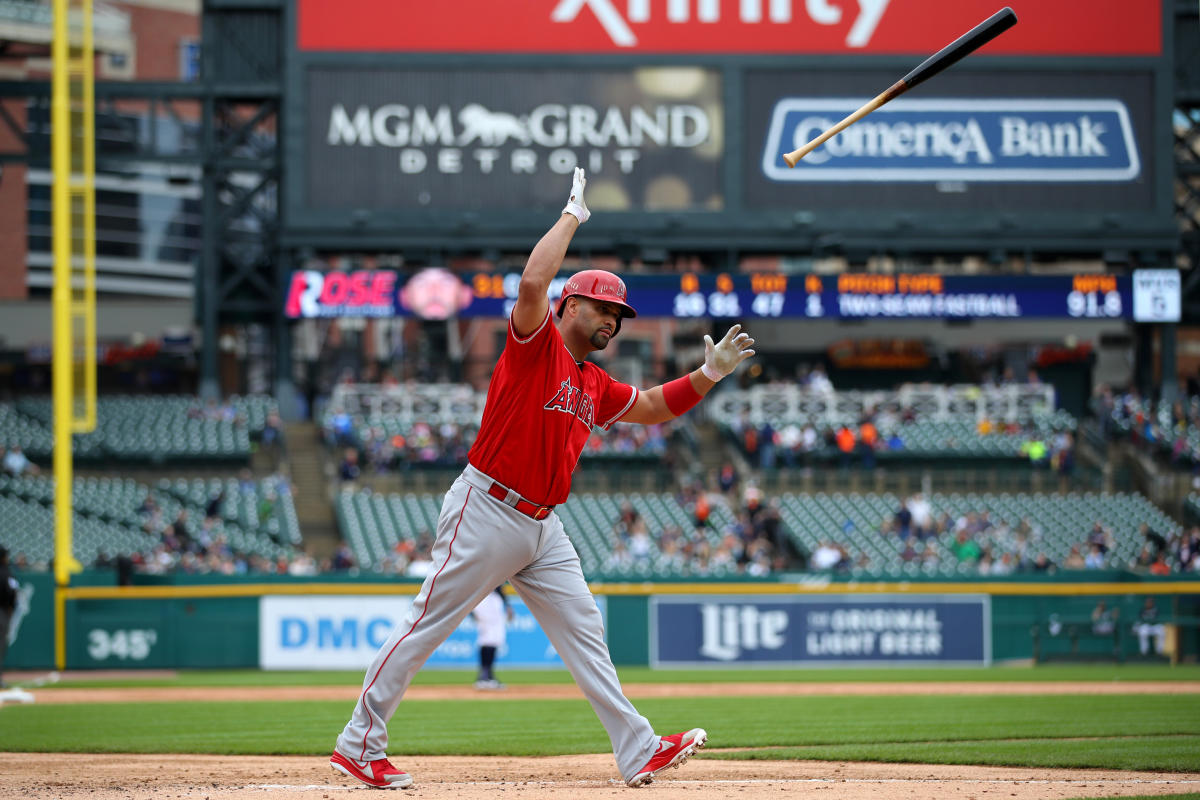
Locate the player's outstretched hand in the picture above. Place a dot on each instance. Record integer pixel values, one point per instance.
(576, 205)
(722, 358)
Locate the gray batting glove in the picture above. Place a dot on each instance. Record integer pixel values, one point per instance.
(722, 358)
(576, 205)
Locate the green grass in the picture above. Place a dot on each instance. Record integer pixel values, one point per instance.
(1051, 673)
(1152, 732)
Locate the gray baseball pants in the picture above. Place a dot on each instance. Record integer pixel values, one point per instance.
(481, 542)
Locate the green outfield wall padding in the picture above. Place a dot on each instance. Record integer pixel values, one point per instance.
(162, 633)
(629, 630)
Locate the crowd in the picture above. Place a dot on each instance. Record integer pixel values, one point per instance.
(1168, 430)
(996, 547)
(753, 542)
(190, 543)
(371, 449)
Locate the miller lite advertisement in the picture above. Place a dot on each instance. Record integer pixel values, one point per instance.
(821, 630)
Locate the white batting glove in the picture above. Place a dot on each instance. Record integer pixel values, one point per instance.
(722, 358)
(576, 205)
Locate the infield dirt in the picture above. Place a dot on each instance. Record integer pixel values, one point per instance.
(206, 777)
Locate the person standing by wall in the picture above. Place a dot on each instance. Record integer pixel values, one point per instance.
(8, 605)
(492, 616)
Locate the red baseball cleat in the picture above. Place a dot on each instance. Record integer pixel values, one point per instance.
(380, 774)
(672, 751)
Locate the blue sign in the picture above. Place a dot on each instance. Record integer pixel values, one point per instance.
(385, 293)
(823, 630)
(954, 139)
(345, 632)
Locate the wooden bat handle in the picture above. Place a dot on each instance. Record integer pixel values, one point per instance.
(895, 90)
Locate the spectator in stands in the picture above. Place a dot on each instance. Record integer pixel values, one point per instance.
(965, 548)
(846, 442)
(272, 436)
(1149, 626)
(1063, 454)
(827, 556)
(790, 438)
(1187, 551)
(16, 463)
(1160, 566)
(1074, 559)
(1043, 565)
(213, 509)
(349, 470)
(868, 442)
(818, 382)
(1005, 565)
(1095, 557)
(902, 522)
(422, 557)
(1154, 540)
(767, 442)
(809, 442)
(1102, 536)
(1034, 448)
(922, 516)
(343, 558)
(340, 432)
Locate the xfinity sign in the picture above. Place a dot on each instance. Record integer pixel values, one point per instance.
(953, 139)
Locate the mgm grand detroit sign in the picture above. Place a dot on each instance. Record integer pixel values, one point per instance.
(549, 136)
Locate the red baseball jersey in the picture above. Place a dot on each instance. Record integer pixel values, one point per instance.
(541, 408)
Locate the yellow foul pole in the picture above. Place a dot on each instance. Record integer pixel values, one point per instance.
(72, 137)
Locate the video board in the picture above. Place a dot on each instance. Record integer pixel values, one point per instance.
(422, 122)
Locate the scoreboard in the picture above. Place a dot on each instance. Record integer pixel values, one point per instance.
(435, 293)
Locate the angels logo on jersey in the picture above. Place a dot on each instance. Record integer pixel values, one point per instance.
(570, 400)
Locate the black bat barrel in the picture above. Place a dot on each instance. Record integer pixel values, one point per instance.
(970, 41)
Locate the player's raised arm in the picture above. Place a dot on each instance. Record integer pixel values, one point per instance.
(546, 259)
(676, 397)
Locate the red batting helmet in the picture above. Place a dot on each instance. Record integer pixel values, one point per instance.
(598, 285)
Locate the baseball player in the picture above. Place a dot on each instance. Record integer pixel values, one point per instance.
(497, 521)
(492, 616)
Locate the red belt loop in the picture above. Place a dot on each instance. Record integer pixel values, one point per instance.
(527, 508)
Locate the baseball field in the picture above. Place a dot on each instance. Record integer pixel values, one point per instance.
(1078, 731)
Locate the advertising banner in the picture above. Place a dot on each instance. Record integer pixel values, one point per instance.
(995, 142)
(785, 27)
(480, 139)
(345, 633)
(439, 294)
(820, 630)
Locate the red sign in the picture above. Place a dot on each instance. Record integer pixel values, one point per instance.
(779, 27)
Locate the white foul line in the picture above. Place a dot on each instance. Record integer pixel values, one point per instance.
(1000, 781)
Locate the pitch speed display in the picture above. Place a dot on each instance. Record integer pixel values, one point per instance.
(435, 293)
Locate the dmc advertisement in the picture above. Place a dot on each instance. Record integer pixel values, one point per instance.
(345, 633)
(472, 139)
(1000, 141)
(820, 630)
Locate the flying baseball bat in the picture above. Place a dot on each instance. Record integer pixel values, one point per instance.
(952, 53)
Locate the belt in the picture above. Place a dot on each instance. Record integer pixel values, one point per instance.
(511, 498)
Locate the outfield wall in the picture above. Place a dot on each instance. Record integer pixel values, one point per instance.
(189, 622)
